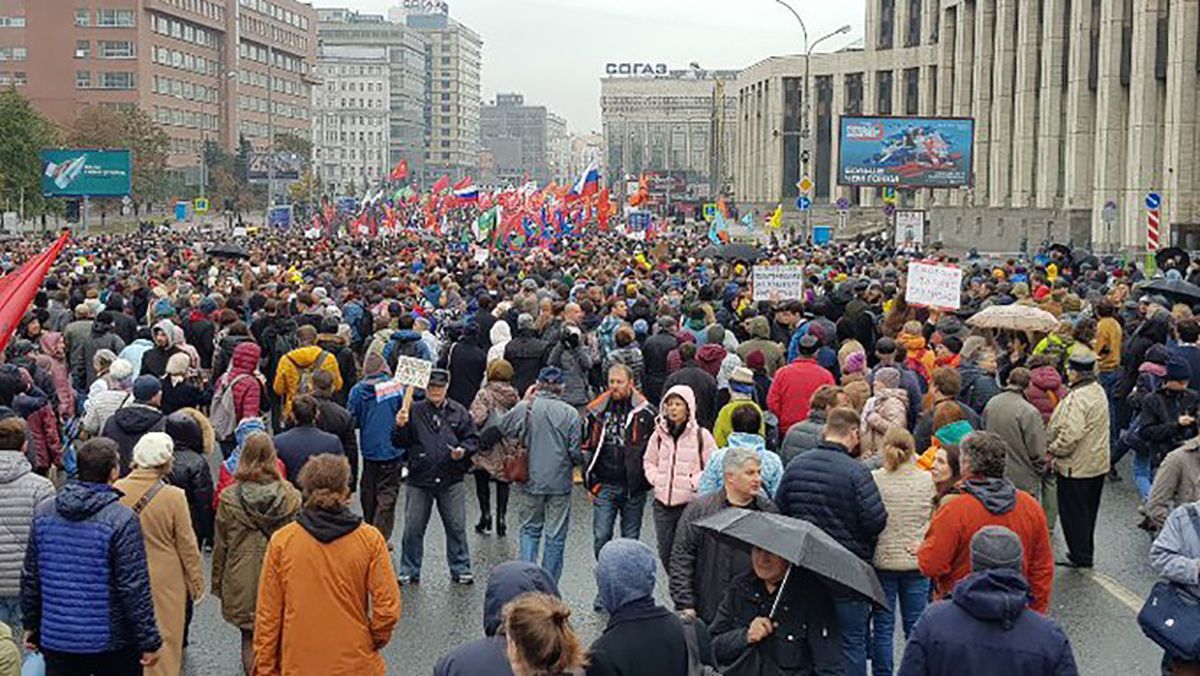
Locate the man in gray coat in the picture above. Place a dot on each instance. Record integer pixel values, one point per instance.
(20, 493)
(1018, 422)
(552, 431)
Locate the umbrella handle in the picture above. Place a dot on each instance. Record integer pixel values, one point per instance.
(779, 593)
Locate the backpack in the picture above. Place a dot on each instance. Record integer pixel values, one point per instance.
(407, 348)
(306, 373)
(223, 415)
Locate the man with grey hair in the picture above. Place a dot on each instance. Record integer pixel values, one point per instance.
(987, 499)
(702, 565)
(988, 608)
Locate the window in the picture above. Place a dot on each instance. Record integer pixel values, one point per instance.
(83, 49)
(118, 49)
(12, 22)
(115, 18)
(82, 18)
(116, 80)
(83, 79)
(20, 79)
(13, 53)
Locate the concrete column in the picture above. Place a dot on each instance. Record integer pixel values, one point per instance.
(1051, 98)
(929, 11)
(1112, 110)
(964, 58)
(1181, 157)
(1003, 75)
(837, 105)
(1147, 98)
(870, 25)
(1024, 137)
(870, 97)
(900, 24)
(944, 106)
(1081, 110)
(985, 23)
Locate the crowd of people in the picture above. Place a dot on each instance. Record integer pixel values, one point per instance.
(158, 403)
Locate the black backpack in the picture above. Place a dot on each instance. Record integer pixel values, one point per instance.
(407, 348)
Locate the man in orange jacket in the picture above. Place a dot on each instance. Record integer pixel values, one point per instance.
(986, 499)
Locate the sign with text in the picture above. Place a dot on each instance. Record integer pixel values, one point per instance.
(906, 152)
(777, 282)
(412, 371)
(83, 172)
(932, 285)
(910, 227)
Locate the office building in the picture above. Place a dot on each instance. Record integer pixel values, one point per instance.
(517, 136)
(558, 148)
(351, 117)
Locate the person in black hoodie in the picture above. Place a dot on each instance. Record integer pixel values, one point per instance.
(339, 347)
(194, 441)
(526, 352)
(701, 382)
(199, 330)
(489, 655)
(140, 416)
(332, 417)
(236, 334)
(466, 362)
(654, 357)
(124, 325)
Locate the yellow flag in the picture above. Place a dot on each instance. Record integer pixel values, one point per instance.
(776, 220)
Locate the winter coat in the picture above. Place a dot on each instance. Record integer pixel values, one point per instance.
(1077, 435)
(339, 347)
(704, 387)
(702, 564)
(654, 358)
(287, 374)
(1020, 425)
(21, 491)
(200, 333)
(887, 409)
(127, 425)
(247, 515)
(792, 390)
(907, 495)
(527, 353)
(467, 363)
(834, 492)
(723, 427)
(182, 393)
(135, 352)
(52, 361)
(1177, 482)
(858, 391)
(332, 417)
(1160, 430)
(77, 335)
(631, 356)
(1175, 551)
(673, 465)
(554, 437)
(945, 554)
(638, 427)
(189, 469)
(375, 419)
(489, 406)
(803, 436)
(406, 343)
(640, 639)
(770, 466)
(807, 638)
(986, 630)
(760, 341)
(295, 446)
(226, 347)
(575, 364)
(173, 558)
(99, 407)
(431, 434)
(923, 434)
(912, 384)
(247, 390)
(1045, 390)
(499, 335)
(42, 424)
(331, 566)
(85, 585)
(978, 386)
(1153, 331)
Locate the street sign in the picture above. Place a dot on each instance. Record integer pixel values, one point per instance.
(843, 203)
(1153, 201)
(805, 184)
(889, 209)
(889, 196)
(201, 205)
(804, 203)
(843, 218)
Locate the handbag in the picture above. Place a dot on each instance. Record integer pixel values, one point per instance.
(1171, 614)
(516, 464)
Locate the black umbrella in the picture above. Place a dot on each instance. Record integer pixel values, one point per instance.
(801, 544)
(1175, 289)
(1061, 248)
(1173, 257)
(743, 252)
(710, 251)
(227, 250)
(1082, 257)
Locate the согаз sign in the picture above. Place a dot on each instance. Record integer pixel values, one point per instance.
(645, 69)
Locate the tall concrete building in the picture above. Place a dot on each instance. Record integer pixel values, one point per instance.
(347, 36)
(678, 122)
(200, 67)
(558, 148)
(453, 98)
(1075, 105)
(517, 136)
(352, 117)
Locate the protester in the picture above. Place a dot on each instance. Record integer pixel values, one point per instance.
(944, 386)
(885, 410)
(21, 491)
(654, 356)
(793, 385)
(747, 425)
(304, 439)
(490, 465)
(180, 388)
(193, 440)
(1173, 557)
(1176, 483)
(526, 353)
(139, 416)
(1011, 417)
(244, 384)
(540, 638)
(806, 434)
(702, 384)
(297, 367)
(381, 459)
(741, 393)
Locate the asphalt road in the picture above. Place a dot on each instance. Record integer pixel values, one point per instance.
(1098, 608)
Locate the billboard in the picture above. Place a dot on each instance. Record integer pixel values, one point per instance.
(86, 172)
(906, 152)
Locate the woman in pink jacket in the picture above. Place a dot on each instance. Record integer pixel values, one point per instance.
(1046, 386)
(676, 454)
(53, 358)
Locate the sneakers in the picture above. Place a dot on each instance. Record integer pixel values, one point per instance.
(464, 579)
(406, 580)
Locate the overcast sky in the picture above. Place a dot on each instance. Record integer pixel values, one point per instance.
(554, 51)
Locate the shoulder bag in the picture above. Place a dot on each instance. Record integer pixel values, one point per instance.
(1171, 615)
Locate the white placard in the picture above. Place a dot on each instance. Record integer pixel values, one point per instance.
(239, 231)
(910, 227)
(937, 286)
(481, 255)
(777, 282)
(413, 372)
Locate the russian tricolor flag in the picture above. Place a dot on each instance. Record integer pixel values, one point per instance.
(466, 189)
(588, 182)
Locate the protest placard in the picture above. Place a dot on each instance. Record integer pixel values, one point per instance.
(932, 285)
(777, 282)
(411, 373)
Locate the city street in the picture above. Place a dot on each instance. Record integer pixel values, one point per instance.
(1098, 608)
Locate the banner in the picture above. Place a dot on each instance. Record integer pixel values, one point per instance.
(913, 152)
(910, 227)
(86, 173)
(933, 285)
(21, 286)
(777, 282)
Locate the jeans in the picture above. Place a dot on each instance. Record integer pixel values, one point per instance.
(666, 519)
(10, 613)
(911, 589)
(380, 488)
(610, 500)
(452, 508)
(548, 514)
(1143, 474)
(854, 618)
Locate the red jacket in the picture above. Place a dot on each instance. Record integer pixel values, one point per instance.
(248, 391)
(945, 554)
(792, 389)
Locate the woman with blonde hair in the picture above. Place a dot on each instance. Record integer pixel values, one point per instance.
(541, 641)
(907, 492)
(259, 503)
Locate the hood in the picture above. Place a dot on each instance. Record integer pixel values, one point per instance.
(167, 327)
(191, 431)
(265, 506)
(13, 466)
(78, 500)
(508, 581)
(709, 358)
(101, 329)
(892, 393)
(405, 336)
(136, 419)
(998, 595)
(999, 496)
(245, 357)
(303, 357)
(954, 433)
(329, 526)
(911, 342)
(503, 394)
(500, 333)
(759, 327)
(747, 440)
(1045, 378)
(53, 344)
(689, 398)
(625, 573)
(331, 340)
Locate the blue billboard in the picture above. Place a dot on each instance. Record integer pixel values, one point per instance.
(906, 152)
(85, 172)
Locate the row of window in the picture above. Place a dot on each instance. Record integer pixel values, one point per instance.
(369, 137)
(123, 80)
(186, 146)
(356, 104)
(330, 69)
(13, 53)
(191, 119)
(185, 61)
(12, 22)
(107, 18)
(269, 30)
(354, 85)
(205, 8)
(106, 49)
(182, 30)
(350, 121)
(278, 13)
(258, 53)
(169, 86)
(17, 78)
(281, 108)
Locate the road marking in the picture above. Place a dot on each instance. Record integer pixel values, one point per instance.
(1116, 589)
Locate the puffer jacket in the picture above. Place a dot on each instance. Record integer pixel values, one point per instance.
(887, 409)
(375, 419)
(1077, 436)
(34, 406)
(223, 357)
(247, 391)
(21, 491)
(1045, 390)
(287, 374)
(834, 492)
(674, 466)
(907, 495)
(803, 436)
(85, 584)
(193, 437)
(127, 426)
(247, 514)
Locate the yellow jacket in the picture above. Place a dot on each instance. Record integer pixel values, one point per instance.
(287, 375)
(1107, 344)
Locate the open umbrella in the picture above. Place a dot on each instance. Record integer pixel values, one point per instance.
(1060, 248)
(1173, 257)
(1174, 289)
(1014, 318)
(227, 250)
(738, 251)
(801, 544)
(710, 251)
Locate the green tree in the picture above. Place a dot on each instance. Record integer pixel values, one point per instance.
(289, 142)
(24, 132)
(108, 127)
(305, 187)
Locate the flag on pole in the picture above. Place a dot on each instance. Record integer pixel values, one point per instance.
(485, 223)
(588, 182)
(21, 288)
(466, 190)
(440, 185)
(776, 220)
(400, 171)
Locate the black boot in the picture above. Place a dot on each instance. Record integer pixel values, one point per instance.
(501, 527)
(485, 524)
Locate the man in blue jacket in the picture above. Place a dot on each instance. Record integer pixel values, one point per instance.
(381, 459)
(85, 589)
(440, 439)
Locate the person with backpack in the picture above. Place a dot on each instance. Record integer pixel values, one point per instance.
(297, 367)
(1168, 419)
(405, 341)
(238, 395)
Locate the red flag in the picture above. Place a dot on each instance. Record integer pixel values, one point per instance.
(603, 208)
(400, 171)
(464, 182)
(20, 290)
(441, 184)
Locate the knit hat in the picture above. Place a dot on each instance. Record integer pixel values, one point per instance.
(756, 360)
(625, 573)
(1178, 369)
(996, 547)
(809, 345)
(178, 363)
(887, 377)
(525, 322)
(715, 335)
(154, 449)
(640, 327)
(954, 433)
(550, 375)
(856, 362)
(120, 370)
(146, 387)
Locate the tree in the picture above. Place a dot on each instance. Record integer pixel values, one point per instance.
(306, 187)
(132, 129)
(24, 132)
(291, 143)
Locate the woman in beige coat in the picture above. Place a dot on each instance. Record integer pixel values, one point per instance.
(172, 555)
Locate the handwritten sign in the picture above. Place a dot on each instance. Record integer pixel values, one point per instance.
(777, 282)
(413, 372)
(937, 286)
